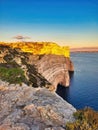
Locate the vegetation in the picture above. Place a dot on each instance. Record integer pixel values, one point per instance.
(86, 119)
(12, 75)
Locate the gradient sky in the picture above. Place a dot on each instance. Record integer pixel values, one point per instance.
(66, 22)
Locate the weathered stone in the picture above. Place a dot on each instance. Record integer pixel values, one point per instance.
(24, 108)
(54, 128)
(55, 69)
(47, 70)
(17, 126)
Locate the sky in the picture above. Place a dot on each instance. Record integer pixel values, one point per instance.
(67, 22)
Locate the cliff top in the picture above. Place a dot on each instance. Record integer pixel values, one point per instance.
(17, 66)
(39, 48)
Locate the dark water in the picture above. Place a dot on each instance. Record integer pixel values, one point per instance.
(83, 90)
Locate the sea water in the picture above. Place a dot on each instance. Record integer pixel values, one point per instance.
(83, 90)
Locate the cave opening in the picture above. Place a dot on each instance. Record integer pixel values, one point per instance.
(62, 91)
(71, 74)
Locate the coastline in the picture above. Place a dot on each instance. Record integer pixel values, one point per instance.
(84, 49)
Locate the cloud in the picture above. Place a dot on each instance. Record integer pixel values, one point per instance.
(20, 37)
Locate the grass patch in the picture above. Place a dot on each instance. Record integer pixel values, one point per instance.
(86, 119)
(12, 75)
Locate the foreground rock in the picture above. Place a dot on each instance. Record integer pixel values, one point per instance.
(27, 108)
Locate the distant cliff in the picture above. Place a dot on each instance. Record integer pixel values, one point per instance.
(84, 49)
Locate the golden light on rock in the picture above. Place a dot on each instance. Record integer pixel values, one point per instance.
(38, 48)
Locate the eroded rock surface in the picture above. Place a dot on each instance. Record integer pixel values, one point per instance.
(27, 108)
(55, 69)
(15, 58)
(39, 70)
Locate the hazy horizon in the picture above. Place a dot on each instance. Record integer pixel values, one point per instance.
(71, 23)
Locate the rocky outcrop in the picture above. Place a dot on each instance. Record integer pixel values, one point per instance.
(27, 108)
(39, 70)
(40, 48)
(55, 69)
(15, 58)
(30, 106)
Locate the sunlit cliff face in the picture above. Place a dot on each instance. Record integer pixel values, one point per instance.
(39, 48)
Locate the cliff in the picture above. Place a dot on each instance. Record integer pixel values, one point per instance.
(27, 97)
(55, 69)
(46, 62)
(40, 48)
(84, 49)
(26, 108)
(15, 68)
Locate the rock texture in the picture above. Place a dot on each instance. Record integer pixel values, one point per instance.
(27, 108)
(55, 69)
(39, 70)
(30, 105)
(15, 58)
(41, 48)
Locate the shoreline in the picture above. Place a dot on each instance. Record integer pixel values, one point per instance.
(84, 49)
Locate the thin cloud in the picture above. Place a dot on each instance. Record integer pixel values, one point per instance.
(20, 37)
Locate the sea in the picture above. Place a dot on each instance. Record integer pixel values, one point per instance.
(83, 90)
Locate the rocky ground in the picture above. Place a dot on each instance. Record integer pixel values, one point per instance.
(27, 91)
(27, 108)
(39, 70)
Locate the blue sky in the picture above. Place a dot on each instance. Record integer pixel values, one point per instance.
(67, 22)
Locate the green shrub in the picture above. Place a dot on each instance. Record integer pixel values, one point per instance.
(86, 119)
(12, 75)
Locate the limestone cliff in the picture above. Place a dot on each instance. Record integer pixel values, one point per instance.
(49, 62)
(28, 108)
(15, 59)
(40, 48)
(23, 107)
(55, 69)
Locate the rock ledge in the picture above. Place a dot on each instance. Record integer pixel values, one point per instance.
(27, 108)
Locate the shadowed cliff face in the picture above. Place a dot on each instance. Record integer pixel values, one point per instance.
(55, 69)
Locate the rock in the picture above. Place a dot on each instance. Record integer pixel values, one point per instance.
(20, 60)
(17, 126)
(69, 65)
(23, 107)
(54, 128)
(27, 108)
(44, 69)
(55, 69)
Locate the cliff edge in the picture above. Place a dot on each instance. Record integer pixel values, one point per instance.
(26, 108)
(46, 60)
(40, 48)
(26, 101)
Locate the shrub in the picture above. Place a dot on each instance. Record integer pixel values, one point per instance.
(12, 75)
(86, 119)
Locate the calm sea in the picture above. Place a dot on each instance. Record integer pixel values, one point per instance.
(83, 90)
